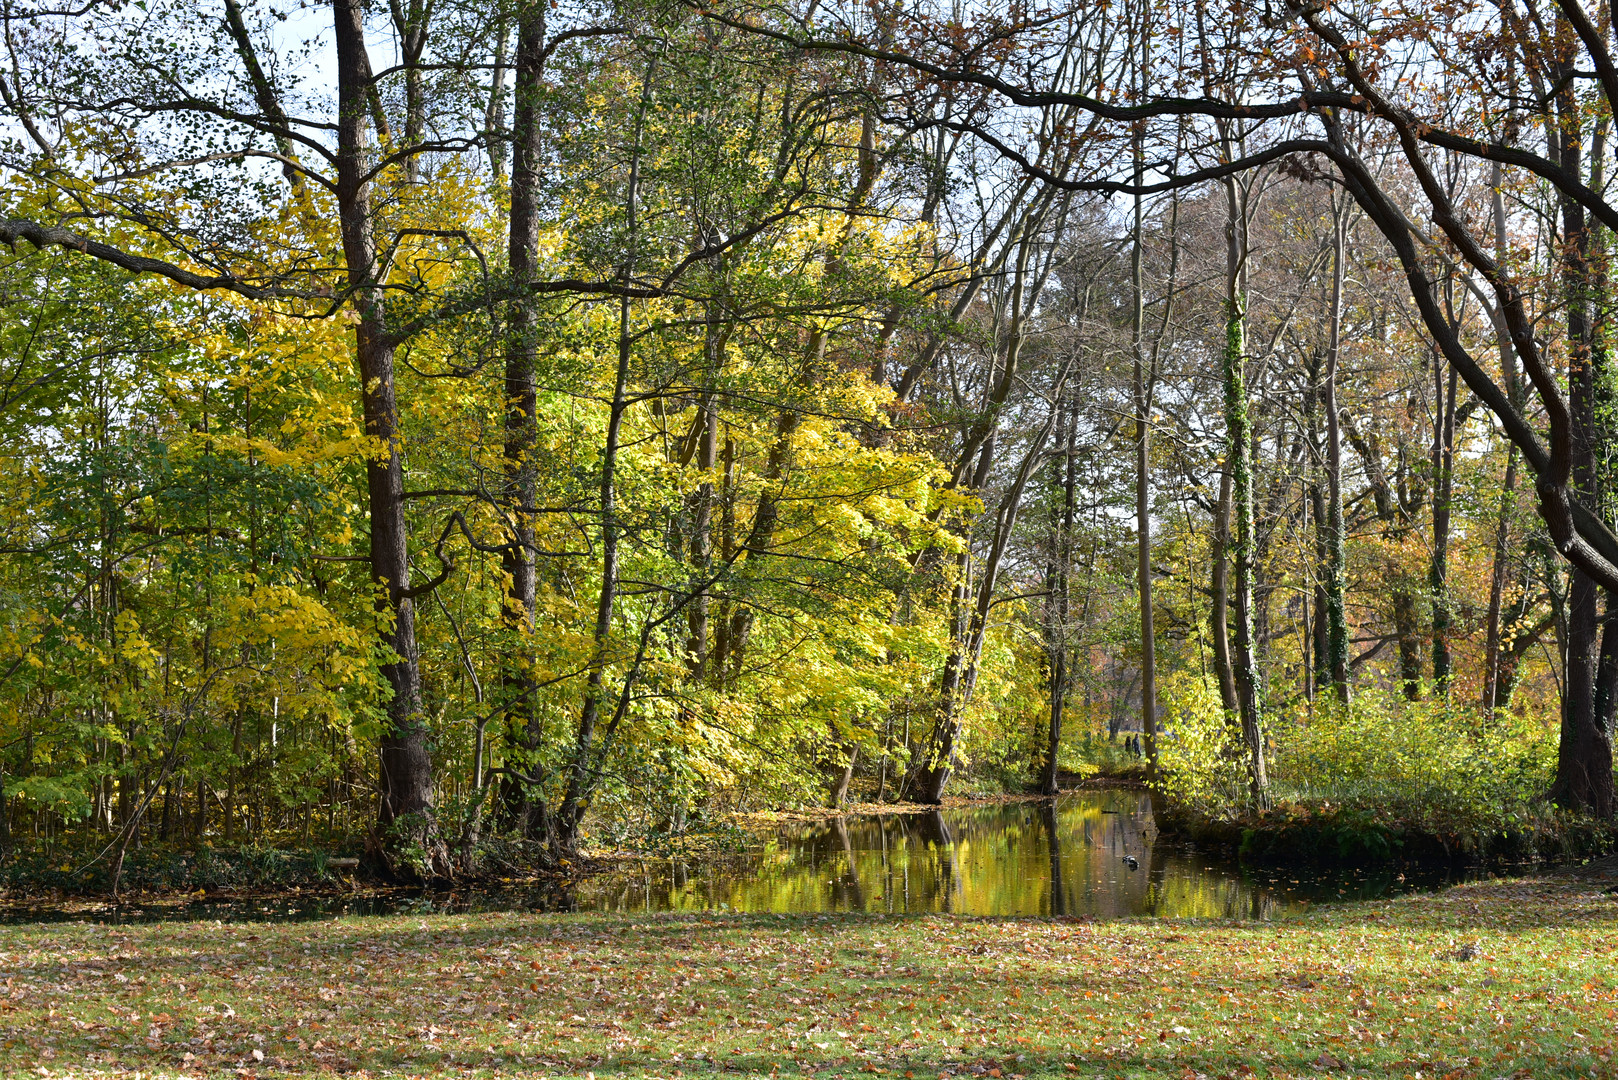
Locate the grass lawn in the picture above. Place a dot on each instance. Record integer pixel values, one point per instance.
(1497, 979)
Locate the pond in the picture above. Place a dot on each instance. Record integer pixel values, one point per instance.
(1088, 853)
(1092, 853)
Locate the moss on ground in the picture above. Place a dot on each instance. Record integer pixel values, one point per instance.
(1495, 979)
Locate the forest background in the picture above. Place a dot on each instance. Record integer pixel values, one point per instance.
(484, 431)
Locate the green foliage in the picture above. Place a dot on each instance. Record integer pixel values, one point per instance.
(1200, 749)
(165, 869)
(1351, 782)
(1432, 762)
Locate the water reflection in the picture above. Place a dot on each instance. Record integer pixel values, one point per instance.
(1089, 853)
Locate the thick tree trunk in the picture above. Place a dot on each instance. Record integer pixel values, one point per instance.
(1239, 462)
(521, 407)
(406, 767)
(1584, 757)
(1584, 753)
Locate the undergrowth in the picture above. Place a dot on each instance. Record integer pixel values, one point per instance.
(1369, 780)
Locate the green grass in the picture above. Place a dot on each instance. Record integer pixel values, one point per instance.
(1486, 980)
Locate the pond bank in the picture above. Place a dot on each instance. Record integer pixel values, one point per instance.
(1100, 850)
(1095, 853)
(1486, 979)
(1305, 834)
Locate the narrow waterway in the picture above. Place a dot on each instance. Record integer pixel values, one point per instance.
(1089, 853)
(1093, 853)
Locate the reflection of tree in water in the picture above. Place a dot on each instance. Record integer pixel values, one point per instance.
(1047, 818)
(1062, 857)
(850, 896)
(935, 832)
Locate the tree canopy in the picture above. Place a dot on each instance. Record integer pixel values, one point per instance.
(453, 421)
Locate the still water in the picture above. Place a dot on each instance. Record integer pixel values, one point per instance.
(1088, 853)
(1092, 853)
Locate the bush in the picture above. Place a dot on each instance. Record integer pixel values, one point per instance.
(1199, 749)
(1432, 765)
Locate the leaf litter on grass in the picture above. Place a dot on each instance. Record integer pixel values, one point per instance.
(1497, 979)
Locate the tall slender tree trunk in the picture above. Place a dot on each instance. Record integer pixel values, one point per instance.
(1219, 592)
(1239, 460)
(494, 112)
(406, 767)
(700, 504)
(1317, 653)
(1495, 690)
(410, 23)
(1336, 568)
(1443, 463)
(1141, 396)
(1497, 585)
(1584, 757)
(1058, 604)
(521, 408)
(582, 767)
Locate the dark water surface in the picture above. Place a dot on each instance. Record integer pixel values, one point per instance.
(1089, 853)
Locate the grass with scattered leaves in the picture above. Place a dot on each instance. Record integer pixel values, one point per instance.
(1496, 979)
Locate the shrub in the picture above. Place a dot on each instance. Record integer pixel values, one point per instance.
(1429, 762)
(1199, 748)
(1433, 764)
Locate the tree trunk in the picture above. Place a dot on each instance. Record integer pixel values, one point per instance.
(410, 23)
(842, 773)
(1058, 603)
(1496, 684)
(406, 768)
(1497, 586)
(521, 407)
(1317, 653)
(1407, 627)
(1584, 756)
(1219, 612)
(1443, 488)
(1239, 460)
(583, 768)
(1336, 665)
(701, 504)
(1140, 393)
